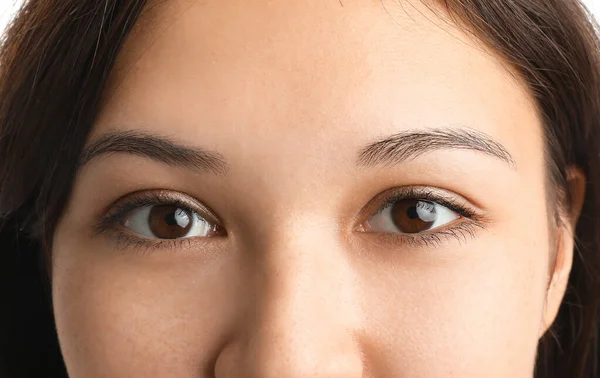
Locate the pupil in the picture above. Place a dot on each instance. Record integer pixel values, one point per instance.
(412, 212)
(170, 219)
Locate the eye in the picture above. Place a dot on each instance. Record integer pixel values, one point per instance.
(168, 222)
(411, 216)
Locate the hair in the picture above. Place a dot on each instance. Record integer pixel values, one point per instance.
(55, 59)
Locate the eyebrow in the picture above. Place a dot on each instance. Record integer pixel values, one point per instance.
(157, 148)
(395, 149)
(408, 145)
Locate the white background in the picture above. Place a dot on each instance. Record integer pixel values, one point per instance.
(7, 8)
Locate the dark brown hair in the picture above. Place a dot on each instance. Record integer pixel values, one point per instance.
(54, 63)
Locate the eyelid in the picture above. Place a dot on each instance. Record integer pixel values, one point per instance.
(471, 218)
(450, 200)
(132, 201)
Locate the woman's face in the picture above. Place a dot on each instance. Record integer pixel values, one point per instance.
(302, 189)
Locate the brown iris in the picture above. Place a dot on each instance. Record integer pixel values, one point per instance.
(170, 221)
(413, 216)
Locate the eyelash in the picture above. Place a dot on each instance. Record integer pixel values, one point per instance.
(463, 228)
(110, 224)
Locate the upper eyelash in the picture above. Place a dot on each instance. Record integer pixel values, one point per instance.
(125, 239)
(151, 199)
(424, 194)
(459, 231)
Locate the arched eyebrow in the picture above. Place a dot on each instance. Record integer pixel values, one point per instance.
(408, 145)
(157, 148)
(395, 149)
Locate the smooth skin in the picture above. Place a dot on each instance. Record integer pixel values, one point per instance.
(288, 92)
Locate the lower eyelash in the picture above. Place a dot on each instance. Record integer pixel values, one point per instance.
(461, 232)
(123, 240)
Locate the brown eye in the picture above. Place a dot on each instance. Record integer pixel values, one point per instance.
(411, 216)
(168, 222)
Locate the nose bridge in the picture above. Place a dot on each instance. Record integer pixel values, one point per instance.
(304, 277)
(302, 318)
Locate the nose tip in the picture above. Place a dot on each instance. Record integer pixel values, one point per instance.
(338, 366)
(293, 336)
(268, 355)
(303, 321)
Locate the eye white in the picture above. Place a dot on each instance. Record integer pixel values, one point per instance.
(139, 222)
(427, 211)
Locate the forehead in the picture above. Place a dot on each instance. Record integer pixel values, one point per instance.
(316, 71)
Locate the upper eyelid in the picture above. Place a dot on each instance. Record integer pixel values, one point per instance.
(131, 201)
(433, 194)
(171, 197)
(126, 238)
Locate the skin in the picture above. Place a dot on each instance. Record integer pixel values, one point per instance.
(288, 93)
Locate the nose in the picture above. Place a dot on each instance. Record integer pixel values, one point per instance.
(302, 318)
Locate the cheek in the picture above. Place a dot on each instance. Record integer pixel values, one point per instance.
(128, 316)
(475, 309)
